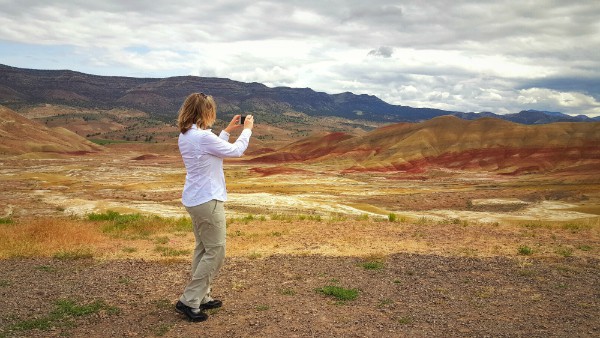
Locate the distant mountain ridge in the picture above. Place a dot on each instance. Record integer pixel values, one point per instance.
(530, 117)
(162, 97)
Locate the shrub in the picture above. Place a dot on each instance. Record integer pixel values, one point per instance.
(392, 217)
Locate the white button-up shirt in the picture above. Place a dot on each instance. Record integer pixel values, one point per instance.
(203, 153)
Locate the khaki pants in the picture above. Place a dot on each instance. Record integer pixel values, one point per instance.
(208, 220)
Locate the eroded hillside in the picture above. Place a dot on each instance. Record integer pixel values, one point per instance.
(486, 144)
(19, 135)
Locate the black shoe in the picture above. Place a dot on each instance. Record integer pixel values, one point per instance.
(190, 313)
(213, 304)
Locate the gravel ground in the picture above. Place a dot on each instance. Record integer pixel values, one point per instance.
(408, 295)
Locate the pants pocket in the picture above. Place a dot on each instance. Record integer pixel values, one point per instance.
(218, 215)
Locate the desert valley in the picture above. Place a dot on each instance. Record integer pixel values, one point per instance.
(442, 226)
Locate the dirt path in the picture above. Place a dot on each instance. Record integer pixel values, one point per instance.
(408, 296)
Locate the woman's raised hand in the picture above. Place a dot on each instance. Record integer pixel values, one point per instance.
(249, 122)
(234, 124)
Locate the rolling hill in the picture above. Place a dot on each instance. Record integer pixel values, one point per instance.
(19, 135)
(486, 144)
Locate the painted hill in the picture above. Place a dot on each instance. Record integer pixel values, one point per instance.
(448, 142)
(19, 135)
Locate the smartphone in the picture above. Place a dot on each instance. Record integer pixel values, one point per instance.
(242, 119)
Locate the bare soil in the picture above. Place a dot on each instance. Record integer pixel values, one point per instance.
(409, 296)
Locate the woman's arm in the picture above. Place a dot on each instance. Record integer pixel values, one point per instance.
(219, 147)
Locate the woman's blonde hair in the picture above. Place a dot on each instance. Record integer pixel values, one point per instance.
(199, 109)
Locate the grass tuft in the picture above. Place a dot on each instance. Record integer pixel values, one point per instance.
(525, 250)
(255, 255)
(404, 320)
(64, 311)
(575, 227)
(565, 251)
(288, 292)
(362, 217)
(136, 226)
(170, 252)
(162, 329)
(74, 254)
(45, 268)
(337, 217)
(339, 293)
(292, 218)
(373, 265)
(161, 240)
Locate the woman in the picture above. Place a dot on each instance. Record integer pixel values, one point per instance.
(204, 193)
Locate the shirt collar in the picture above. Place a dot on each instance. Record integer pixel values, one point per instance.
(194, 126)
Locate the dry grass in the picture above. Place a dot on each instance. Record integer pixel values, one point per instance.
(136, 236)
(48, 237)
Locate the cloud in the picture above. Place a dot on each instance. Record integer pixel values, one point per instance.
(547, 99)
(496, 56)
(382, 51)
(586, 84)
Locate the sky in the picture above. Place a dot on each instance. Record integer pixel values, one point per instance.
(468, 56)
